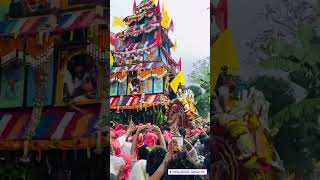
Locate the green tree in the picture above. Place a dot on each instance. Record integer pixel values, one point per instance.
(201, 76)
(291, 45)
(277, 91)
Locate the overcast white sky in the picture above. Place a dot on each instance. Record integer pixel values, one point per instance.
(192, 28)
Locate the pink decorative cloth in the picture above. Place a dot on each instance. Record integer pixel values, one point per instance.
(116, 147)
(150, 139)
(127, 167)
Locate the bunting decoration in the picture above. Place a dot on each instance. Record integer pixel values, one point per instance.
(223, 52)
(118, 22)
(171, 26)
(153, 2)
(178, 79)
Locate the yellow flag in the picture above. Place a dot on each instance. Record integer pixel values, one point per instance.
(175, 45)
(176, 81)
(223, 53)
(153, 2)
(111, 59)
(163, 9)
(118, 22)
(165, 20)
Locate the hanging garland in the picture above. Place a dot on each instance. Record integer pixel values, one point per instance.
(119, 77)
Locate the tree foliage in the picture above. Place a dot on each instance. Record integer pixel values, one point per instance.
(277, 92)
(292, 44)
(201, 76)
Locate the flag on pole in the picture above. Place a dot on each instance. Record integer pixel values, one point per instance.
(178, 79)
(179, 65)
(222, 51)
(163, 9)
(175, 45)
(223, 54)
(111, 59)
(118, 22)
(158, 7)
(165, 20)
(221, 15)
(134, 6)
(171, 26)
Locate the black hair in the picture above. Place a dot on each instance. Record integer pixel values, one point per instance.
(182, 132)
(202, 137)
(143, 152)
(155, 159)
(181, 162)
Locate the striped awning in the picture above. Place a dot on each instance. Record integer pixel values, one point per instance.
(136, 67)
(75, 20)
(59, 124)
(58, 128)
(24, 26)
(13, 125)
(136, 102)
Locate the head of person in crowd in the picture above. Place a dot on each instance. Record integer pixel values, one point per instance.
(155, 159)
(143, 152)
(206, 143)
(181, 162)
(203, 137)
(182, 132)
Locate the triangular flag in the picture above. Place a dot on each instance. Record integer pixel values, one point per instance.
(178, 79)
(223, 53)
(171, 26)
(153, 2)
(159, 39)
(221, 15)
(118, 22)
(163, 10)
(179, 65)
(175, 45)
(134, 6)
(165, 20)
(113, 37)
(111, 59)
(158, 7)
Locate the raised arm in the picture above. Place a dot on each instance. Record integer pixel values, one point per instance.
(135, 141)
(163, 166)
(157, 130)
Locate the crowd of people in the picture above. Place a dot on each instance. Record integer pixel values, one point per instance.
(146, 152)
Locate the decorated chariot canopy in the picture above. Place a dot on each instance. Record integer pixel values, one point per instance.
(34, 114)
(142, 65)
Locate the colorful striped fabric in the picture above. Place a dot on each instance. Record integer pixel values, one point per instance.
(135, 67)
(55, 124)
(24, 26)
(134, 102)
(75, 20)
(13, 125)
(61, 124)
